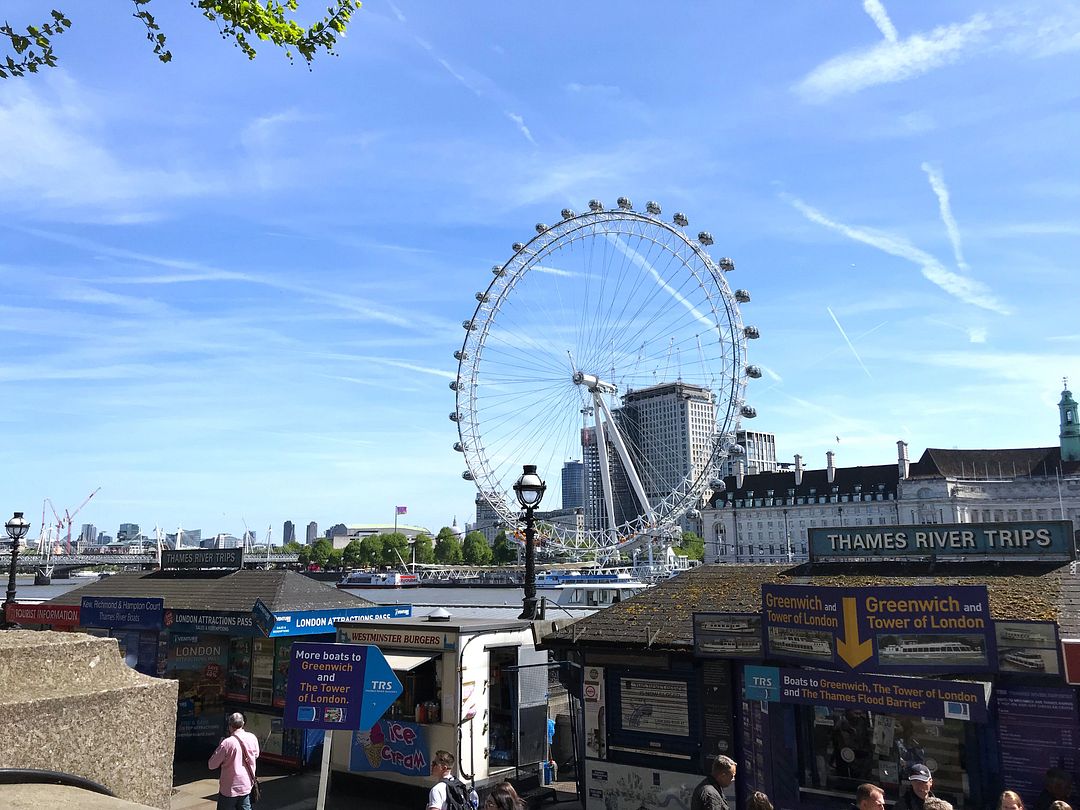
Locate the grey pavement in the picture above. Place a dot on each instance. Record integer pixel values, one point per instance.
(195, 788)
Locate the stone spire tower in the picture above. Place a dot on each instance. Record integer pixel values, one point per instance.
(1070, 426)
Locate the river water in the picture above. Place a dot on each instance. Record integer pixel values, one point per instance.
(448, 597)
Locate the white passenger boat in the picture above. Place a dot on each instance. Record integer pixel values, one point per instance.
(912, 648)
(379, 579)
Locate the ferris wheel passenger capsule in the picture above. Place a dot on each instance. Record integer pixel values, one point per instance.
(736, 450)
(568, 213)
(455, 417)
(518, 247)
(680, 220)
(717, 485)
(624, 204)
(749, 411)
(726, 264)
(454, 385)
(498, 270)
(541, 227)
(742, 296)
(751, 332)
(469, 325)
(693, 514)
(461, 356)
(753, 372)
(653, 208)
(596, 205)
(482, 297)
(459, 447)
(705, 238)
(468, 476)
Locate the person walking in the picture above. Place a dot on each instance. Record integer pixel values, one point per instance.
(709, 795)
(921, 782)
(447, 793)
(235, 755)
(869, 797)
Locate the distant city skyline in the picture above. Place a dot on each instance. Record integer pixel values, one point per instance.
(242, 305)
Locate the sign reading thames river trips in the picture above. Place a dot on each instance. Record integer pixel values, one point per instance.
(1045, 540)
(909, 629)
(943, 700)
(338, 687)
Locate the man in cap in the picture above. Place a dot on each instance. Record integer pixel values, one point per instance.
(921, 781)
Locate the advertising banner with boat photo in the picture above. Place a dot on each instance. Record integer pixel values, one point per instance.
(1028, 647)
(912, 629)
(728, 635)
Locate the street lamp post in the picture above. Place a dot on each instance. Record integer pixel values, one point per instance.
(16, 530)
(529, 489)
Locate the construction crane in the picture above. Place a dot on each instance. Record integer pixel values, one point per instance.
(69, 517)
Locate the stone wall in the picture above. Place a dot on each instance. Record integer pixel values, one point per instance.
(69, 703)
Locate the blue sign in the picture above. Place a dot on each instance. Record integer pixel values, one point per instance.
(1045, 540)
(310, 622)
(943, 700)
(902, 629)
(391, 746)
(122, 612)
(210, 621)
(338, 687)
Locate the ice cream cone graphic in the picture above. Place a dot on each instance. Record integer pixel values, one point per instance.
(374, 753)
(374, 747)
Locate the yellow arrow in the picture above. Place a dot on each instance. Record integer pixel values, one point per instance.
(853, 651)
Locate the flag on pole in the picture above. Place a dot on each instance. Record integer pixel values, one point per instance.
(401, 510)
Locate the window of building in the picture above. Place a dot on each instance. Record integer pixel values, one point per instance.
(842, 749)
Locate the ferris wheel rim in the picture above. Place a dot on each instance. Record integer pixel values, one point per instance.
(726, 320)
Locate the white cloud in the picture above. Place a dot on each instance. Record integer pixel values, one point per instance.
(397, 12)
(524, 130)
(937, 183)
(881, 19)
(56, 159)
(961, 287)
(893, 61)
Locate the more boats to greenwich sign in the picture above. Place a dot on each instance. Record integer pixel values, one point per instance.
(1043, 540)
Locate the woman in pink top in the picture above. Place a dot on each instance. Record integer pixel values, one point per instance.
(236, 755)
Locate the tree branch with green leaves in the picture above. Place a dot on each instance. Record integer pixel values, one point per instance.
(245, 22)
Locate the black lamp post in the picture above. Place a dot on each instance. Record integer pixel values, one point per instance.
(529, 490)
(16, 528)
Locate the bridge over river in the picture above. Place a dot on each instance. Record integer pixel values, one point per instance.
(59, 564)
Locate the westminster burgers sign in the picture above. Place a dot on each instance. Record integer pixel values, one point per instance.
(1044, 540)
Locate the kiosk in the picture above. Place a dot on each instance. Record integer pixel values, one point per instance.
(475, 687)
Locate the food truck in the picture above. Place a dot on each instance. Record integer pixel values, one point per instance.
(476, 687)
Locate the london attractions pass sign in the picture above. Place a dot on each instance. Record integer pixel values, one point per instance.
(1045, 540)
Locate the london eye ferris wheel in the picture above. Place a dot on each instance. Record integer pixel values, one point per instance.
(611, 338)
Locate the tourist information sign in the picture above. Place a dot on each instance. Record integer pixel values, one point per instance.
(909, 629)
(338, 687)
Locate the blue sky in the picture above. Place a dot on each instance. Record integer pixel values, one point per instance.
(231, 290)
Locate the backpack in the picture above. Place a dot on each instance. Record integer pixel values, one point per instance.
(455, 795)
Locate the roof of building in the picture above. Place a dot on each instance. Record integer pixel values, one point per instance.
(662, 617)
(227, 591)
(936, 462)
(846, 479)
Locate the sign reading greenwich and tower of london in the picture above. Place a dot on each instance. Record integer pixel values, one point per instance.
(1044, 540)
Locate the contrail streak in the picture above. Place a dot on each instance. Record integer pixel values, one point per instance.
(849, 343)
(937, 183)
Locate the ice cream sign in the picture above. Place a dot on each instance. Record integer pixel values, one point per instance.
(391, 745)
(345, 687)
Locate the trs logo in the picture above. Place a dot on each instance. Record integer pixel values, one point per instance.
(382, 686)
(760, 681)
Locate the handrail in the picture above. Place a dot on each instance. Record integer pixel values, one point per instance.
(32, 776)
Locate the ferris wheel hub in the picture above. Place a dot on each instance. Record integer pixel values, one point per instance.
(594, 383)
